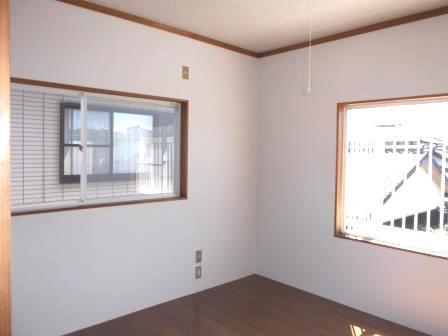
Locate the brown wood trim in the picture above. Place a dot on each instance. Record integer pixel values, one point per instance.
(183, 183)
(353, 32)
(339, 194)
(93, 90)
(373, 243)
(395, 100)
(157, 25)
(5, 217)
(99, 205)
(184, 151)
(339, 197)
(358, 31)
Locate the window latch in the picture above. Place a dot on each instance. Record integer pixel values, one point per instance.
(81, 147)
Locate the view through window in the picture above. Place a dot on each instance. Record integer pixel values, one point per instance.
(393, 174)
(72, 148)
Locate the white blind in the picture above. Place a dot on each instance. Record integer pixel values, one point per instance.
(35, 120)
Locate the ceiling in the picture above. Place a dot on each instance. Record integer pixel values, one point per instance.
(261, 25)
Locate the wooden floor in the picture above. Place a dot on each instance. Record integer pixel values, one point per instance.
(252, 306)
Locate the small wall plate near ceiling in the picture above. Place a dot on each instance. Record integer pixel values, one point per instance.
(185, 72)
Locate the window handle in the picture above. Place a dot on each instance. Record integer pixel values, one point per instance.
(157, 164)
(80, 147)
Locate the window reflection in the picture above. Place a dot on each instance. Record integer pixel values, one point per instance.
(133, 142)
(360, 331)
(127, 143)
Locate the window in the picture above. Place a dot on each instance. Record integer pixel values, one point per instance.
(119, 141)
(392, 186)
(77, 147)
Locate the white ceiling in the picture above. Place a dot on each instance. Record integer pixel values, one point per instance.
(261, 25)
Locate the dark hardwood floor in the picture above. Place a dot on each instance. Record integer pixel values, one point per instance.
(252, 306)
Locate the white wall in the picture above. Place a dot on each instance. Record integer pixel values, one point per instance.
(74, 269)
(296, 185)
(78, 268)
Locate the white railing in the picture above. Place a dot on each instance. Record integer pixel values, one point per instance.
(396, 183)
(157, 176)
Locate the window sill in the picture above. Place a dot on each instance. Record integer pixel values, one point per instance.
(392, 246)
(96, 204)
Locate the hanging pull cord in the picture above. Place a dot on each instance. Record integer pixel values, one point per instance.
(310, 39)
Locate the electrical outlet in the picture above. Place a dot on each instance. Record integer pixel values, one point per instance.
(185, 72)
(198, 272)
(198, 256)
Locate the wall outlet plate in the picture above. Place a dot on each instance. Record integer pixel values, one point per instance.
(185, 72)
(198, 272)
(198, 256)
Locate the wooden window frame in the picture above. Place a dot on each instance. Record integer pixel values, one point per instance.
(5, 206)
(340, 150)
(183, 157)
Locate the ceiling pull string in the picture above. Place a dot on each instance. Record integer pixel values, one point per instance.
(310, 39)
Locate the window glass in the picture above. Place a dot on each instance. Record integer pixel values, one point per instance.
(72, 160)
(133, 141)
(98, 159)
(143, 151)
(395, 187)
(72, 124)
(98, 131)
(131, 151)
(36, 151)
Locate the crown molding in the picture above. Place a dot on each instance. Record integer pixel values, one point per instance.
(157, 25)
(358, 31)
(330, 38)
